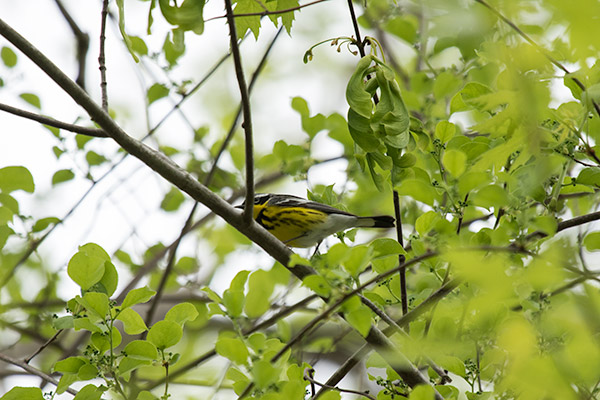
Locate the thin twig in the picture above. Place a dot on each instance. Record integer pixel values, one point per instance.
(443, 374)
(102, 57)
(308, 377)
(94, 132)
(401, 257)
(264, 13)
(33, 371)
(42, 347)
(247, 124)
(83, 43)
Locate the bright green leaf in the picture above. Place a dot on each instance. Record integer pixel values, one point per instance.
(137, 296)
(9, 57)
(23, 393)
(16, 178)
(455, 162)
(165, 334)
(133, 323)
(181, 313)
(233, 349)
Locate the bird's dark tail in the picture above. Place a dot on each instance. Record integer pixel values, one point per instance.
(380, 221)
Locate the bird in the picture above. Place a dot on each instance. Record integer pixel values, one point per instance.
(298, 222)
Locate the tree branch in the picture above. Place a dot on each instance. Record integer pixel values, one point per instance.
(247, 124)
(102, 57)
(83, 43)
(33, 371)
(82, 130)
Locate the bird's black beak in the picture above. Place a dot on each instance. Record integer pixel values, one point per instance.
(240, 206)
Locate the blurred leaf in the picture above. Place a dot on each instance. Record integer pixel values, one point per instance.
(16, 178)
(32, 99)
(172, 200)
(233, 349)
(157, 91)
(9, 57)
(62, 175)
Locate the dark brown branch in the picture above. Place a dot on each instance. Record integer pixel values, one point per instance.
(570, 223)
(401, 257)
(82, 130)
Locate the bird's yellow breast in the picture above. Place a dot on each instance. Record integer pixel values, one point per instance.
(288, 223)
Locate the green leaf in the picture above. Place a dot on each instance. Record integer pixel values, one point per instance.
(157, 91)
(128, 364)
(137, 296)
(85, 270)
(455, 162)
(86, 324)
(65, 322)
(42, 224)
(317, 284)
(96, 303)
(188, 16)
(383, 247)
(592, 241)
(69, 365)
(252, 23)
(65, 381)
(359, 259)
(16, 178)
(418, 190)
(422, 392)
(173, 49)
(23, 393)
(264, 374)
(94, 158)
(89, 392)
(491, 196)
(360, 319)
(260, 288)
(446, 83)
(404, 27)
(32, 99)
(9, 57)
(233, 349)
(181, 313)
(146, 395)
(233, 300)
(6, 215)
(124, 35)
(133, 323)
(165, 334)
(87, 372)
(62, 175)
(172, 200)
(138, 45)
(444, 131)
(141, 350)
(357, 96)
(109, 281)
